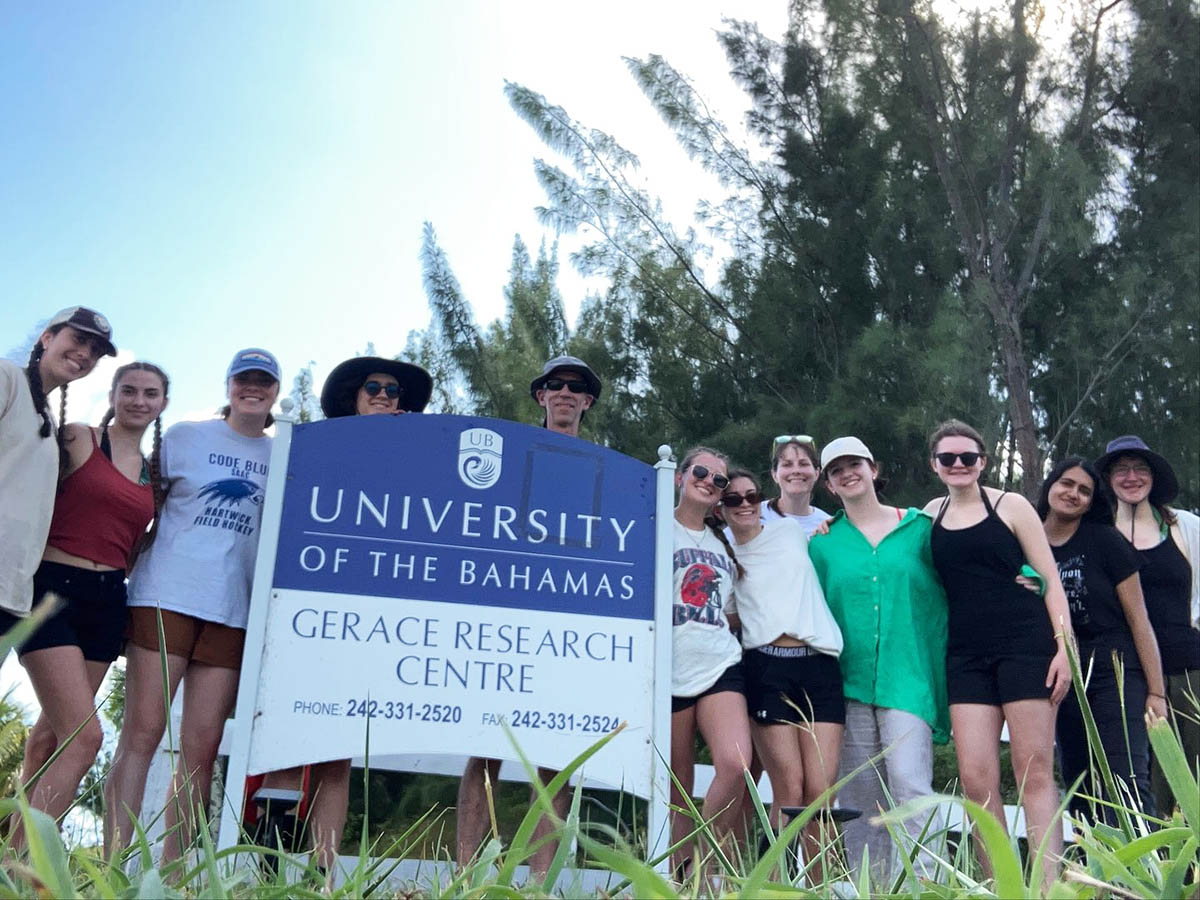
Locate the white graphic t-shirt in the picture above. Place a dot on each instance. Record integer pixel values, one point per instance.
(201, 563)
(703, 646)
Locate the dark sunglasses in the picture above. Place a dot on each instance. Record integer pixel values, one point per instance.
(254, 377)
(751, 497)
(720, 482)
(557, 384)
(968, 459)
(373, 387)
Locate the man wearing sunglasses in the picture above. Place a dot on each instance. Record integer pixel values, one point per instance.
(566, 389)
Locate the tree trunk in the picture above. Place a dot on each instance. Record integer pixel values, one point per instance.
(1020, 398)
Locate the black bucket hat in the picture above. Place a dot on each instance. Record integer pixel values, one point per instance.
(566, 364)
(1166, 485)
(341, 387)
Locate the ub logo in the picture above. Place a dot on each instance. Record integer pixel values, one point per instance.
(479, 457)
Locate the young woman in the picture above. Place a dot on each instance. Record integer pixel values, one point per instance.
(105, 502)
(791, 644)
(1167, 542)
(794, 470)
(1006, 654)
(707, 680)
(1099, 572)
(363, 386)
(195, 579)
(74, 340)
(877, 572)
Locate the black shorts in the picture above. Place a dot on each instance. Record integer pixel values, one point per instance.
(996, 680)
(789, 685)
(91, 615)
(732, 679)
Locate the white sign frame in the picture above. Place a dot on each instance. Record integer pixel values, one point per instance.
(242, 725)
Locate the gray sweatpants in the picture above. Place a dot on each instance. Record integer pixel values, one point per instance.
(907, 772)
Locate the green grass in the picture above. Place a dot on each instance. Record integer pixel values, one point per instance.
(1138, 857)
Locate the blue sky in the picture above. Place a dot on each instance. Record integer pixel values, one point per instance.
(216, 175)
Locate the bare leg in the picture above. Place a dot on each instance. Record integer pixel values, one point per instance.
(539, 863)
(821, 746)
(976, 729)
(683, 765)
(473, 819)
(208, 698)
(327, 809)
(145, 722)
(66, 685)
(779, 749)
(1031, 734)
(725, 725)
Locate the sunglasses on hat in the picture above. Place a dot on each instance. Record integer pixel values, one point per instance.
(720, 482)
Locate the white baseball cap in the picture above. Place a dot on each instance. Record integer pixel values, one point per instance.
(844, 446)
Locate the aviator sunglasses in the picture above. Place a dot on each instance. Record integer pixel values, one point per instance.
(968, 459)
(373, 387)
(557, 384)
(720, 482)
(751, 497)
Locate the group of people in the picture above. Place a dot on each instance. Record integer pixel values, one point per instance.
(804, 644)
(822, 646)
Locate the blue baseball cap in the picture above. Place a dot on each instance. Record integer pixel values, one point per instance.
(254, 359)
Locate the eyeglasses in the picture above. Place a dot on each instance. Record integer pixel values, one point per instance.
(373, 387)
(720, 482)
(968, 459)
(557, 384)
(751, 497)
(1121, 471)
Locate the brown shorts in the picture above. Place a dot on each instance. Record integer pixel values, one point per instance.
(194, 639)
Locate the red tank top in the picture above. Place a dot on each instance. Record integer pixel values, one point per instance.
(100, 514)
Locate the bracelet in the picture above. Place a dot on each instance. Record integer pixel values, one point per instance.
(1159, 696)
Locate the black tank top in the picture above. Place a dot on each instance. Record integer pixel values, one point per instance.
(990, 614)
(1167, 585)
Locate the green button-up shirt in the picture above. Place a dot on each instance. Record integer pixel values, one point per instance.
(891, 608)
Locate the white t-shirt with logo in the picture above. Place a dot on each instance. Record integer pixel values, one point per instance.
(703, 647)
(201, 563)
(780, 592)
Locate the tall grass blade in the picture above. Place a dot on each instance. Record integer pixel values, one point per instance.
(519, 849)
(47, 855)
(21, 631)
(1169, 753)
(1006, 865)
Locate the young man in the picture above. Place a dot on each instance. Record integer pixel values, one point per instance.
(566, 389)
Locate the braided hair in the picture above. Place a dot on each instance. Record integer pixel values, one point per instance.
(712, 521)
(33, 375)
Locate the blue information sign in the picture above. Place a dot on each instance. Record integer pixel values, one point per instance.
(467, 510)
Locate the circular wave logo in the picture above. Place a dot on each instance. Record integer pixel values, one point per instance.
(480, 457)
